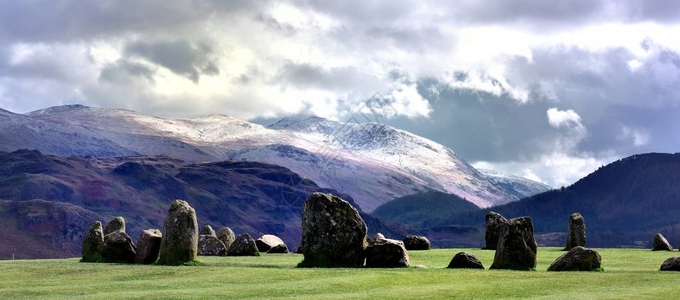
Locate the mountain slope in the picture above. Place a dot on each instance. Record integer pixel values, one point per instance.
(517, 186)
(249, 197)
(372, 162)
(623, 203)
(414, 209)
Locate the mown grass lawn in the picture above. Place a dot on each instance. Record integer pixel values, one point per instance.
(629, 273)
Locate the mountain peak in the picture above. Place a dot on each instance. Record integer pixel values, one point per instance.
(59, 109)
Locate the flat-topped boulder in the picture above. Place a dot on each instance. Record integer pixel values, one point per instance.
(268, 241)
(516, 249)
(333, 233)
(148, 246)
(577, 259)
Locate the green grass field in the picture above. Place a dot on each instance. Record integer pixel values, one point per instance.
(629, 273)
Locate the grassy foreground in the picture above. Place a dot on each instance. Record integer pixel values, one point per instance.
(628, 273)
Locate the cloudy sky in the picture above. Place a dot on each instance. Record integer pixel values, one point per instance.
(549, 90)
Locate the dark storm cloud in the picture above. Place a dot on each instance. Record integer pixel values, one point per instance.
(180, 57)
(314, 76)
(123, 70)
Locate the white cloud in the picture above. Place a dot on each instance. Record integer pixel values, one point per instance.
(564, 118)
(638, 136)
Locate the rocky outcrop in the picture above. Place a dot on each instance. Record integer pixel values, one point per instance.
(660, 243)
(577, 259)
(148, 246)
(267, 241)
(117, 224)
(416, 242)
(244, 245)
(118, 247)
(516, 249)
(180, 244)
(207, 230)
(464, 260)
(576, 236)
(387, 253)
(493, 225)
(227, 236)
(333, 233)
(92, 243)
(671, 264)
(210, 245)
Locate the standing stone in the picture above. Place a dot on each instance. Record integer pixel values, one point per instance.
(661, 243)
(671, 264)
(464, 260)
(493, 225)
(180, 244)
(117, 224)
(148, 246)
(516, 248)
(227, 236)
(577, 231)
(267, 241)
(386, 253)
(207, 230)
(416, 242)
(577, 259)
(209, 245)
(333, 233)
(118, 247)
(244, 245)
(93, 242)
(280, 248)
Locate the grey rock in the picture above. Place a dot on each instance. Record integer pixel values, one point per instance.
(210, 245)
(516, 249)
(660, 243)
(465, 260)
(387, 253)
(117, 224)
(493, 225)
(267, 241)
(333, 233)
(180, 243)
(577, 259)
(576, 235)
(93, 242)
(280, 248)
(207, 230)
(244, 245)
(227, 236)
(118, 247)
(416, 242)
(148, 246)
(671, 264)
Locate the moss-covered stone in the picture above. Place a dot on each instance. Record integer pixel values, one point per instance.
(576, 236)
(207, 230)
(493, 226)
(577, 259)
(516, 248)
(227, 236)
(117, 224)
(92, 243)
(148, 246)
(118, 247)
(465, 260)
(333, 233)
(244, 245)
(387, 253)
(180, 243)
(210, 245)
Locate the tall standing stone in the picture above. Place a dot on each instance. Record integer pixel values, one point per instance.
(117, 224)
(493, 225)
(577, 232)
(148, 246)
(93, 242)
(333, 233)
(660, 243)
(227, 236)
(180, 244)
(516, 248)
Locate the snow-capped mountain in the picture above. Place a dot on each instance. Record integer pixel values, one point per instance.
(518, 186)
(374, 163)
